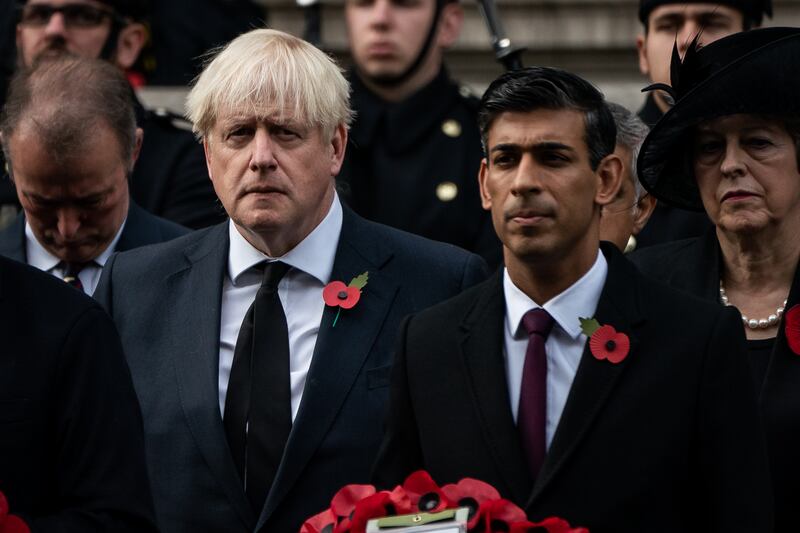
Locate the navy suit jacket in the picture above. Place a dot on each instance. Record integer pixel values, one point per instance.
(667, 440)
(141, 229)
(166, 301)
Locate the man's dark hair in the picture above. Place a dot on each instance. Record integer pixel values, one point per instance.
(65, 99)
(533, 88)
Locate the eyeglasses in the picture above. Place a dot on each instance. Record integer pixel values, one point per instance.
(75, 15)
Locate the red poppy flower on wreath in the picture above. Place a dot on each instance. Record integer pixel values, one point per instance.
(425, 494)
(470, 493)
(792, 328)
(10, 523)
(380, 504)
(497, 515)
(337, 294)
(605, 342)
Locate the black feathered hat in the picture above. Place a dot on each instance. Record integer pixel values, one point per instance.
(752, 72)
(753, 10)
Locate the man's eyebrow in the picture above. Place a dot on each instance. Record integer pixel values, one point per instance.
(540, 146)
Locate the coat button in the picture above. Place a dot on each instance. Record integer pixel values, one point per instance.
(446, 191)
(451, 128)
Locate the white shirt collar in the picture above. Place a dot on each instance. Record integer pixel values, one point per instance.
(314, 255)
(39, 257)
(578, 301)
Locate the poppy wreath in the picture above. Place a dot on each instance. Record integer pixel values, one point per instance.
(792, 328)
(605, 342)
(337, 294)
(354, 505)
(10, 523)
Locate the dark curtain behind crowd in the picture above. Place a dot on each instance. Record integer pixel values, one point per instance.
(184, 30)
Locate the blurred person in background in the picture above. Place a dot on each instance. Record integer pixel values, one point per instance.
(414, 149)
(624, 218)
(668, 24)
(170, 178)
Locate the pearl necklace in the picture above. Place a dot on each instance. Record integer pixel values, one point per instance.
(753, 323)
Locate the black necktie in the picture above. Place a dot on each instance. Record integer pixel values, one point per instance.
(71, 271)
(258, 414)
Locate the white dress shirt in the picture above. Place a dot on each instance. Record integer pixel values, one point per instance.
(300, 293)
(565, 343)
(40, 258)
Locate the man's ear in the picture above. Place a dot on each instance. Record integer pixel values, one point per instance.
(483, 176)
(338, 146)
(644, 208)
(609, 179)
(137, 148)
(450, 22)
(641, 48)
(130, 42)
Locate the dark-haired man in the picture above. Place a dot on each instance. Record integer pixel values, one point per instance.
(665, 24)
(563, 380)
(415, 148)
(170, 178)
(70, 138)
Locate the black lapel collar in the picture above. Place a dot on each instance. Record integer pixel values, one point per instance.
(195, 301)
(12, 242)
(594, 381)
(780, 381)
(482, 354)
(340, 351)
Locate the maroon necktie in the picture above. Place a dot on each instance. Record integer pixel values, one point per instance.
(71, 271)
(532, 413)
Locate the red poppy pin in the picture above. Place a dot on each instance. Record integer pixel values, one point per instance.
(792, 328)
(337, 294)
(605, 342)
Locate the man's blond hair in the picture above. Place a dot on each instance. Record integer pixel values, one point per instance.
(270, 73)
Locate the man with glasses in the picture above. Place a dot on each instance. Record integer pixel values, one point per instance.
(170, 178)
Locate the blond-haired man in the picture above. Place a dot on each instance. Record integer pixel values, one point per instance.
(263, 392)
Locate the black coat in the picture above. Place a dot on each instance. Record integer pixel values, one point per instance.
(141, 229)
(71, 446)
(403, 159)
(667, 440)
(693, 265)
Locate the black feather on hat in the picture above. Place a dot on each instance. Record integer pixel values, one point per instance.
(753, 72)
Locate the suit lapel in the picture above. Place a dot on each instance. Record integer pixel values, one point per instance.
(595, 380)
(482, 355)
(780, 382)
(339, 353)
(195, 319)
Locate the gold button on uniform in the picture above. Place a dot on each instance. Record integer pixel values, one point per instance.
(446, 191)
(451, 128)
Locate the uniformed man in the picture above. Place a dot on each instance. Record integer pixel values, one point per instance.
(415, 148)
(665, 24)
(170, 178)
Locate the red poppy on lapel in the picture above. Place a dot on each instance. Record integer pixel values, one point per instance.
(337, 294)
(605, 342)
(792, 328)
(10, 523)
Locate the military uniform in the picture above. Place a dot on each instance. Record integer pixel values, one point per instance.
(414, 165)
(667, 223)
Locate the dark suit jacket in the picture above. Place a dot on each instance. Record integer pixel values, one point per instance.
(693, 265)
(141, 229)
(71, 447)
(667, 440)
(166, 301)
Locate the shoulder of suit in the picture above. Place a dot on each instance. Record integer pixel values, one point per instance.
(661, 258)
(167, 251)
(470, 98)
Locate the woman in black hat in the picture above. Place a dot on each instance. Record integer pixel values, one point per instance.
(731, 146)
